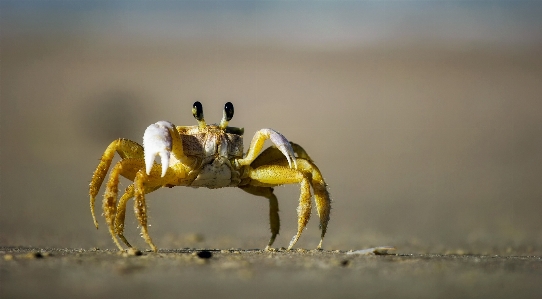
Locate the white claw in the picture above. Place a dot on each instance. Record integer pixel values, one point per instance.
(283, 145)
(157, 141)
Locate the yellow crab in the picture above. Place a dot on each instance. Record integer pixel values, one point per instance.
(207, 156)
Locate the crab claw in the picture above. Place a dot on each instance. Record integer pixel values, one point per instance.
(157, 141)
(282, 144)
(257, 144)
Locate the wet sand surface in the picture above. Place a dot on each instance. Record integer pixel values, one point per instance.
(236, 273)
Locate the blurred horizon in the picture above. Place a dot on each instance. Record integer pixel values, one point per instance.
(318, 24)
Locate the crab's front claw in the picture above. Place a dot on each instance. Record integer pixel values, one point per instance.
(278, 140)
(282, 144)
(157, 141)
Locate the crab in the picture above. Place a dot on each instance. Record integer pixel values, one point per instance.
(208, 156)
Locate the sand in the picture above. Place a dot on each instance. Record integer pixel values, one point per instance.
(238, 273)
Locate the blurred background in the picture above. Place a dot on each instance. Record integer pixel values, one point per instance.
(423, 116)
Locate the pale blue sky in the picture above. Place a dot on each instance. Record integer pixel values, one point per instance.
(312, 23)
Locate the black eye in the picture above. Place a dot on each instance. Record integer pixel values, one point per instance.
(197, 111)
(228, 110)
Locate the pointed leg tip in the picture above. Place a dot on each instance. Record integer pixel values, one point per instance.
(320, 245)
(294, 240)
(95, 221)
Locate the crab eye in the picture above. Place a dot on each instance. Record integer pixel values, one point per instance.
(197, 111)
(228, 111)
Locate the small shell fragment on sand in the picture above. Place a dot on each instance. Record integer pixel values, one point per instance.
(380, 250)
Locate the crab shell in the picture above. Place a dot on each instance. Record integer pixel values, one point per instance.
(214, 148)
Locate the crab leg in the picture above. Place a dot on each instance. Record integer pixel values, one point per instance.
(127, 168)
(272, 156)
(126, 149)
(140, 207)
(278, 140)
(321, 195)
(279, 175)
(274, 219)
(121, 214)
(115, 214)
(303, 210)
(110, 202)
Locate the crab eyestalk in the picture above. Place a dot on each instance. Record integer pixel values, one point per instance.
(197, 112)
(227, 115)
